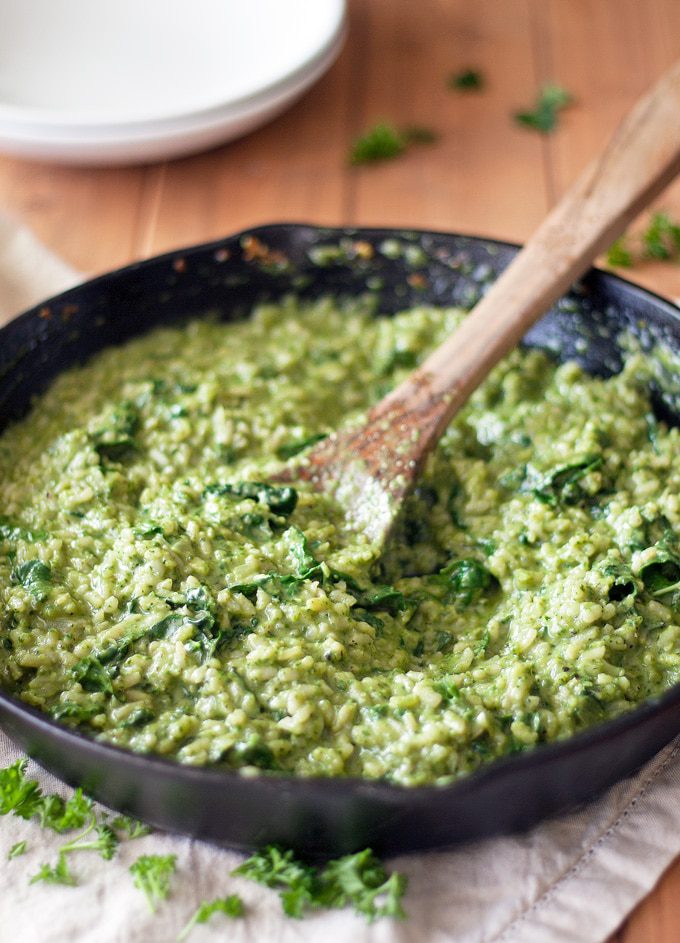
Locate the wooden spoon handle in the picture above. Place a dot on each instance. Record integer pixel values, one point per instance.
(641, 158)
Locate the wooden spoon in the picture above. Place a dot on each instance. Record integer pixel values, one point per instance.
(372, 468)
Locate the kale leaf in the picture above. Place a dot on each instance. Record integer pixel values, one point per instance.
(562, 485)
(279, 500)
(13, 532)
(465, 581)
(35, 576)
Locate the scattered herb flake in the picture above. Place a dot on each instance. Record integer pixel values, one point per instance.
(231, 906)
(467, 80)
(382, 142)
(661, 239)
(35, 576)
(619, 255)
(19, 795)
(131, 828)
(151, 875)
(357, 880)
(57, 874)
(17, 850)
(551, 99)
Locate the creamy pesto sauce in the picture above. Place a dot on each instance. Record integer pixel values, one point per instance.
(156, 592)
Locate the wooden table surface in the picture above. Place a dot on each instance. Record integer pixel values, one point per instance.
(484, 175)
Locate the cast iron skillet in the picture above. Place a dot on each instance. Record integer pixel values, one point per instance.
(319, 816)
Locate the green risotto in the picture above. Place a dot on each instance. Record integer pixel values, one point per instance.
(160, 593)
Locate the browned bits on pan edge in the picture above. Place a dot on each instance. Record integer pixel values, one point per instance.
(363, 249)
(179, 265)
(45, 313)
(416, 280)
(254, 250)
(68, 311)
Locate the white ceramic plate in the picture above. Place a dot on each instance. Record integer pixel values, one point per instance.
(95, 81)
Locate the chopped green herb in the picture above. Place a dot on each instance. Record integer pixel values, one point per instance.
(280, 501)
(35, 576)
(467, 80)
(465, 580)
(16, 850)
(13, 532)
(132, 828)
(360, 881)
(384, 142)
(57, 874)
(619, 255)
(551, 100)
(231, 906)
(661, 239)
(24, 798)
(105, 842)
(68, 710)
(151, 875)
(357, 880)
(62, 816)
(115, 441)
(562, 486)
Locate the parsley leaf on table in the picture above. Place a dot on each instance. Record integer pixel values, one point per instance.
(151, 874)
(661, 239)
(551, 99)
(619, 255)
(467, 80)
(384, 142)
(231, 906)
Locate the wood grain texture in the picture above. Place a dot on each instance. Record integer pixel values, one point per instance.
(485, 175)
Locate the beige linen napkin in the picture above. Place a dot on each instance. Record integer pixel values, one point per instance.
(569, 880)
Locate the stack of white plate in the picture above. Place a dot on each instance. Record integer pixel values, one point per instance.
(127, 81)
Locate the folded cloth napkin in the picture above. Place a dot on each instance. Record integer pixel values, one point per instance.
(570, 880)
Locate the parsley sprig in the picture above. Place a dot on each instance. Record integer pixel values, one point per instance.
(24, 798)
(385, 142)
(552, 98)
(231, 906)
(151, 875)
(660, 241)
(359, 881)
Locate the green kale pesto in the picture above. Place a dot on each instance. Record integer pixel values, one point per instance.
(158, 590)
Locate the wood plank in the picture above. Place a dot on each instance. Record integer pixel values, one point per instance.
(485, 175)
(606, 54)
(87, 216)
